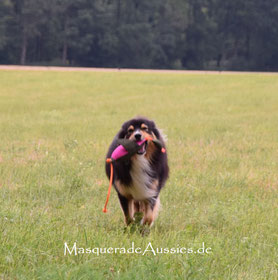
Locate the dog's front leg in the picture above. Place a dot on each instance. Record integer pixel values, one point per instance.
(128, 208)
(150, 211)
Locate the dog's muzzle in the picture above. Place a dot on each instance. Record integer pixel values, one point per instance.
(143, 149)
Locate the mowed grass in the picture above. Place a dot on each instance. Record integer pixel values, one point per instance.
(55, 129)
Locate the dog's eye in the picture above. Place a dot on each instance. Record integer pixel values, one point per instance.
(145, 128)
(130, 130)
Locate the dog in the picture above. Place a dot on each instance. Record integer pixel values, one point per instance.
(138, 180)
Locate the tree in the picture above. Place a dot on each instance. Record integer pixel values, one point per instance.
(5, 17)
(191, 34)
(28, 16)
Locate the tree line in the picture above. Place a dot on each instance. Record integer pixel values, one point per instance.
(174, 34)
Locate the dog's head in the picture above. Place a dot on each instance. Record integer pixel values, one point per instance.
(138, 129)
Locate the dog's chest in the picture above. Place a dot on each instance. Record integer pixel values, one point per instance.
(141, 180)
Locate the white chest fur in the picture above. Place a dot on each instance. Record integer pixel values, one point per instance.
(140, 188)
(142, 184)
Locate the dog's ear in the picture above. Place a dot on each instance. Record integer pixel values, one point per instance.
(121, 134)
(156, 133)
(154, 129)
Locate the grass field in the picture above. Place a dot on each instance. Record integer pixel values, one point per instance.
(55, 128)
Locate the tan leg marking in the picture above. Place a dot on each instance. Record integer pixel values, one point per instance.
(122, 189)
(150, 214)
(129, 217)
(131, 209)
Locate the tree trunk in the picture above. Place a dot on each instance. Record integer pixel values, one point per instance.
(65, 43)
(219, 58)
(119, 6)
(65, 52)
(23, 49)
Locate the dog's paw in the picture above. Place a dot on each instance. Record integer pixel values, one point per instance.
(138, 216)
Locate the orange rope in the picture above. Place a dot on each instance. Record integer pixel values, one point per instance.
(110, 185)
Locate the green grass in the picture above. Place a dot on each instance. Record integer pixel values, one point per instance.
(55, 128)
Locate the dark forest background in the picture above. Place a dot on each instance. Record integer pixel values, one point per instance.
(174, 34)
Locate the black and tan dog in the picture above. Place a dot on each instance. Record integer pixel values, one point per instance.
(139, 180)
